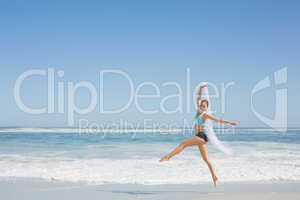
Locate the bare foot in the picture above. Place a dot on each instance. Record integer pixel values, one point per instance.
(215, 179)
(165, 158)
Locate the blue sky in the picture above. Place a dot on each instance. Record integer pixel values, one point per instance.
(219, 41)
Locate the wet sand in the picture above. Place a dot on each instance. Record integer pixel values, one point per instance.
(32, 189)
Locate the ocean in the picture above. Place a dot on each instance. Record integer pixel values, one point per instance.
(132, 157)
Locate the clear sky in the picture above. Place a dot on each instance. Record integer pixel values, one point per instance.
(219, 41)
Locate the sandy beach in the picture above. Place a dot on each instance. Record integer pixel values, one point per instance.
(96, 94)
(33, 189)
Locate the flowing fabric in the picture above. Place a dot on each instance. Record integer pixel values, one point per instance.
(209, 127)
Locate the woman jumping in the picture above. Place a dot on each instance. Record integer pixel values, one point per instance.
(201, 138)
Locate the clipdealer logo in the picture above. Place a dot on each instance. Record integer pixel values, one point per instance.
(279, 120)
(58, 88)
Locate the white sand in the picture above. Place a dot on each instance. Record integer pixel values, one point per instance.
(30, 189)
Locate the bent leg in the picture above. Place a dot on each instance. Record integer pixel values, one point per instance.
(204, 155)
(189, 142)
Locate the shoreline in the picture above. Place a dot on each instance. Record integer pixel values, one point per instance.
(34, 189)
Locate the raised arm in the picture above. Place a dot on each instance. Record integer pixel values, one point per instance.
(199, 97)
(221, 121)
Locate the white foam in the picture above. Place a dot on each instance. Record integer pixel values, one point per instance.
(187, 168)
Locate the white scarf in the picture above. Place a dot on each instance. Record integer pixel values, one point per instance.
(209, 127)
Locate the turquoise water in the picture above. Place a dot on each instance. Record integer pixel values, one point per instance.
(259, 155)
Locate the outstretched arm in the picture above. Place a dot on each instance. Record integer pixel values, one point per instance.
(221, 121)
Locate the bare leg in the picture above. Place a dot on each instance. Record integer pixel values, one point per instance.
(204, 154)
(189, 142)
